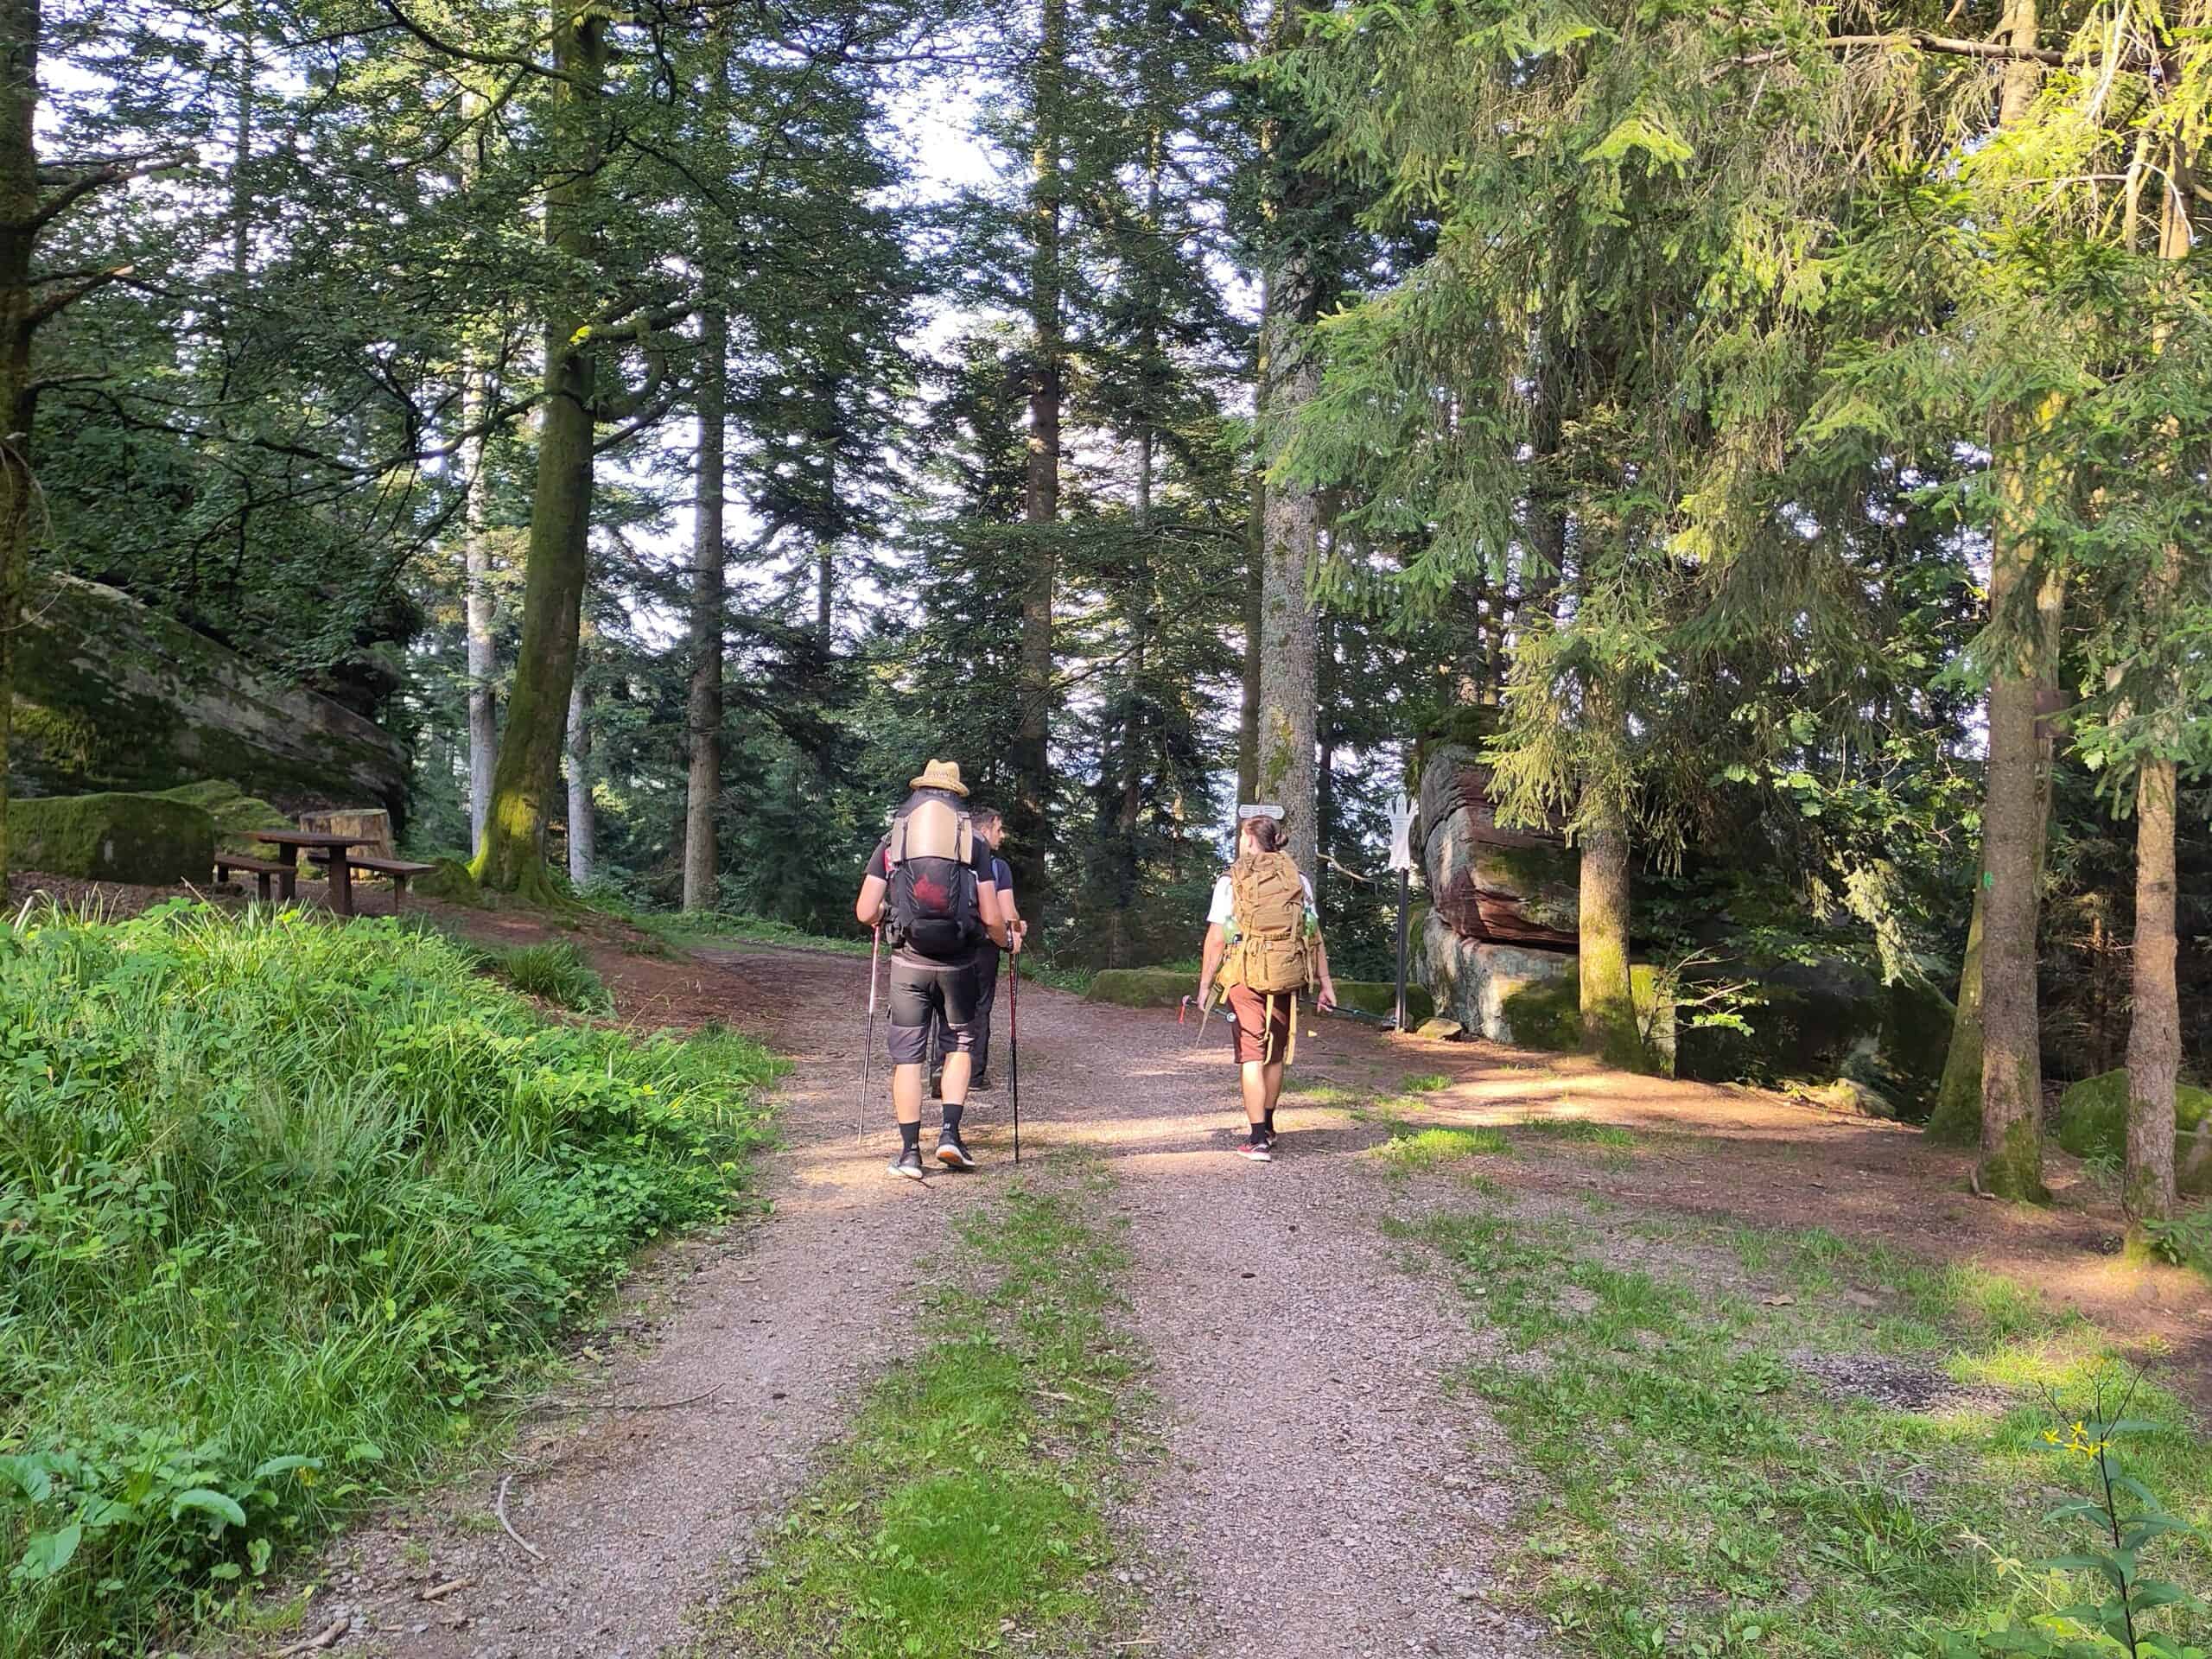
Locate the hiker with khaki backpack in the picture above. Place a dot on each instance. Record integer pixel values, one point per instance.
(1263, 942)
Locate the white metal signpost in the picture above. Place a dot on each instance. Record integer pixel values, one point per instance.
(1401, 860)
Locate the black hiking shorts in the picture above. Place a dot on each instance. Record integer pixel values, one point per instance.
(923, 992)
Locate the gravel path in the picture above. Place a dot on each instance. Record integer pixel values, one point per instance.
(1320, 1497)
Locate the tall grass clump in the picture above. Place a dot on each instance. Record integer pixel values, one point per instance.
(279, 1201)
(554, 971)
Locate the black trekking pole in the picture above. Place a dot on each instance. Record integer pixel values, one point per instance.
(1013, 1047)
(867, 1053)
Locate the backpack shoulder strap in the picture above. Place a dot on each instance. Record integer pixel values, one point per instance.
(895, 844)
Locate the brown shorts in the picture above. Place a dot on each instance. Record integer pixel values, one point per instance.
(1251, 1010)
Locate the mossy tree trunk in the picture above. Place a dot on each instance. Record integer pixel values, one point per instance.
(2154, 1030)
(1290, 548)
(583, 821)
(1027, 821)
(1247, 717)
(510, 856)
(1610, 1027)
(2023, 600)
(19, 43)
(1955, 1117)
(703, 713)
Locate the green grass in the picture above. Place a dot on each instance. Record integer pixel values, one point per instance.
(1695, 1491)
(1577, 1131)
(972, 1496)
(281, 1204)
(555, 972)
(1409, 1148)
(1424, 1083)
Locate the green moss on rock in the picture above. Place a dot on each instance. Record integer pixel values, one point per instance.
(144, 839)
(1549, 1015)
(1380, 998)
(2093, 1119)
(237, 814)
(1141, 987)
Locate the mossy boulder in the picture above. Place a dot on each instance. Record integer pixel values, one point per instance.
(1380, 998)
(111, 695)
(1829, 1020)
(144, 839)
(2092, 1122)
(237, 815)
(1141, 987)
(1546, 1014)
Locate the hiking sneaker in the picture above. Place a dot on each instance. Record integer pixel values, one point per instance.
(952, 1153)
(907, 1163)
(979, 1081)
(937, 1085)
(1257, 1147)
(1271, 1140)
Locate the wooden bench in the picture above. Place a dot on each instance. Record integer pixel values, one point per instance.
(261, 869)
(398, 869)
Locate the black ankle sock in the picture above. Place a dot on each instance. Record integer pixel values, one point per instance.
(952, 1111)
(1258, 1131)
(910, 1136)
(1271, 1120)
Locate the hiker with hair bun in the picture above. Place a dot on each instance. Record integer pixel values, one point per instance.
(930, 888)
(1263, 941)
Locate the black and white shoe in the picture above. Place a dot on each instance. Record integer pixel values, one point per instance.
(1256, 1146)
(950, 1153)
(908, 1163)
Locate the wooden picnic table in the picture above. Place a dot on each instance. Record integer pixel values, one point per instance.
(289, 841)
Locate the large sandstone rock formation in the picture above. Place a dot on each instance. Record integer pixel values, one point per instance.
(110, 695)
(1491, 885)
(1502, 902)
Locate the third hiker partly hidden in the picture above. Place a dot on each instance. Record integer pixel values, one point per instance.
(929, 885)
(1263, 939)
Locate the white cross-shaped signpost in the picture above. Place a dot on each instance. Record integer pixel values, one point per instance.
(1401, 860)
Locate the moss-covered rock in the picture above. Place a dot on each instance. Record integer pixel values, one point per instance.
(1380, 998)
(237, 814)
(1548, 1013)
(2093, 1122)
(110, 695)
(145, 839)
(1141, 987)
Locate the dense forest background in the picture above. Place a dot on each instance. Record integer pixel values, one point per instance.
(1779, 436)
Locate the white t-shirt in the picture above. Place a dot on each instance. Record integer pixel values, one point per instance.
(1224, 907)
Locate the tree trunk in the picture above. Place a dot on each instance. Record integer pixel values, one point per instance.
(511, 856)
(2012, 821)
(2014, 828)
(1290, 538)
(476, 577)
(583, 826)
(2154, 1034)
(1032, 779)
(703, 714)
(241, 152)
(1248, 722)
(1956, 1117)
(826, 598)
(1609, 1023)
(19, 46)
(1324, 738)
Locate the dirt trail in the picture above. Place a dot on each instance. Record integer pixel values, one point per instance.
(639, 1514)
(1323, 1497)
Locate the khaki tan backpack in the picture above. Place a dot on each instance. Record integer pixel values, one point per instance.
(1270, 946)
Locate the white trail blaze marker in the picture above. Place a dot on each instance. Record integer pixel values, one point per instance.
(1401, 860)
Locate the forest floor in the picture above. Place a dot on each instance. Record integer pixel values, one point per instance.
(1319, 1478)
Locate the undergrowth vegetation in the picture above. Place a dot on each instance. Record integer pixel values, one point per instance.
(279, 1202)
(1751, 1441)
(967, 1512)
(555, 972)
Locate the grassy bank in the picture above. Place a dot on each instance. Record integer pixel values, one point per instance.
(1752, 1442)
(279, 1202)
(966, 1512)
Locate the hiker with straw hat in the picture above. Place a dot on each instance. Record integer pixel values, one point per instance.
(930, 893)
